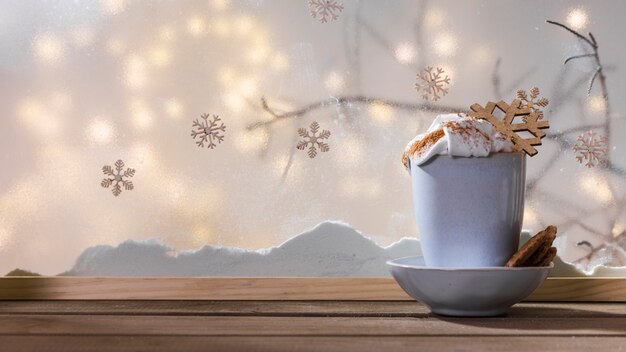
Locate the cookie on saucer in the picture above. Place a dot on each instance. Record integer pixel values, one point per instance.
(537, 251)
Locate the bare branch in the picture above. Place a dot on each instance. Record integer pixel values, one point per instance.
(356, 99)
(593, 78)
(591, 43)
(577, 57)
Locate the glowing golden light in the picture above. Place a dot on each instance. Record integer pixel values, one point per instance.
(618, 229)
(596, 187)
(381, 112)
(202, 235)
(243, 25)
(174, 108)
(334, 82)
(220, 5)
(577, 18)
(100, 131)
(38, 119)
(113, 7)
(6, 233)
(434, 17)
(234, 101)
(531, 218)
(405, 53)
(135, 73)
(445, 44)
(196, 26)
(49, 48)
(596, 104)
(142, 117)
(280, 61)
(160, 56)
(23, 199)
(226, 75)
(248, 87)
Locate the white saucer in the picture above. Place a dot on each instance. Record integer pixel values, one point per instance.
(466, 291)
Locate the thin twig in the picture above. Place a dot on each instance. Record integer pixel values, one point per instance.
(593, 78)
(580, 36)
(576, 57)
(348, 99)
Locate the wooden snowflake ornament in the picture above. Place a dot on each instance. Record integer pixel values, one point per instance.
(431, 84)
(530, 122)
(532, 100)
(591, 148)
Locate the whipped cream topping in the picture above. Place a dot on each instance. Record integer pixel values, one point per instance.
(456, 135)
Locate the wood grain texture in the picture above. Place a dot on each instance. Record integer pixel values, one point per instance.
(276, 288)
(290, 308)
(20, 343)
(346, 326)
(306, 326)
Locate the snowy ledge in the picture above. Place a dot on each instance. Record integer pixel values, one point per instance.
(331, 249)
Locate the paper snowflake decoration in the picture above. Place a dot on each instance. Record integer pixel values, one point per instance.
(208, 131)
(432, 84)
(117, 178)
(313, 140)
(591, 148)
(323, 10)
(506, 126)
(532, 100)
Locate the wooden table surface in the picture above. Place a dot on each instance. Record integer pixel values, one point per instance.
(303, 326)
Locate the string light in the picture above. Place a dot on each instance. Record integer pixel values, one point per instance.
(381, 112)
(196, 26)
(280, 62)
(174, 108)
(405, 53)
(445, 44)
(100, 131)
(243, 25)
(220, 5)
(141, 115)
(434, 17)
(577, 18)
(334, 82)
(597, 187)
(160, 56)
(596, 104)
(49, 48)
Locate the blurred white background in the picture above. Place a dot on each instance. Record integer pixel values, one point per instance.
(85, 83)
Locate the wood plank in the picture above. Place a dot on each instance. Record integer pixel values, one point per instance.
(306, 326)
(291, 308)
(303, 343)
(228, 308)
(277, 288)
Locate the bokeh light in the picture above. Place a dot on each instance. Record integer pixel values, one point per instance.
(405, 53)
(577, 18)
(49, 48)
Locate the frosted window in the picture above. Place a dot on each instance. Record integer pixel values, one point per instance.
(87, 83)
